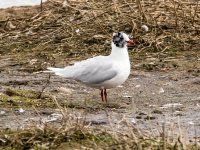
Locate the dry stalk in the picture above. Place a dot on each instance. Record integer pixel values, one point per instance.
(44, 87)
(131, 130)
(195, 12)
(164, 134)
(180, 138)
(41, 6)
(141, 10)
(161, 17)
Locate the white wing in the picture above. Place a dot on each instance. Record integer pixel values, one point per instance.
(91, 71)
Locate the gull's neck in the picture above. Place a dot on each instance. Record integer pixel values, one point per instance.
(119, 53)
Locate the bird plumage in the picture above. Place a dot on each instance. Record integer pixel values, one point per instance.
(102, 72)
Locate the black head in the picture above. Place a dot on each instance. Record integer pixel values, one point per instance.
(119, 40)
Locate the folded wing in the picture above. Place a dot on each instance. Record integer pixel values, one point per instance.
(91, 71)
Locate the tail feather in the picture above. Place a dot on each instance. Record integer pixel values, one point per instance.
(59, 71)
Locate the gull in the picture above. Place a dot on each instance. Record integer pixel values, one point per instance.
(102, 72)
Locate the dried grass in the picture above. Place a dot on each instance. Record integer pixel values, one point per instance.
(72, 132)
(85, 27)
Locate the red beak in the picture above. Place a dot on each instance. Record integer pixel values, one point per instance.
(130, 42)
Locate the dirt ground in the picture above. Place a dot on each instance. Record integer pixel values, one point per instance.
(163, 90)
(147, 99)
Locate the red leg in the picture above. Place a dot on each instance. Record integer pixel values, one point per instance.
(105, 93)
(102, 95)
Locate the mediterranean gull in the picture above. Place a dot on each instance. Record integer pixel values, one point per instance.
(102, 72)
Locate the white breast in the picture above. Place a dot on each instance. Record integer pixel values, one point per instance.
(120, 78)
(121, 63)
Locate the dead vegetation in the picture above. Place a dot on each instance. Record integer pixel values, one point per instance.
(74, 132)
(75, 29)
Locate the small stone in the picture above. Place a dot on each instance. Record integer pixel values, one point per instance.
(149, 118)
(161, 90)
(127, 96)
(21, 110)
(191, 123)
(137, 86)
(145, 28)
(157, 111)
(77, 31)
(142, 113)
(133, 121)
(138, 117)
(2, 112)
(53, 117)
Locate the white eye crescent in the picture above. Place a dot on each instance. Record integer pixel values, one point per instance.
(114, 33)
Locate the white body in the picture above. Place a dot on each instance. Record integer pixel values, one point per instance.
(121, 64)
(102, 72)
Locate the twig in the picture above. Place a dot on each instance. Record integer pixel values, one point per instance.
(175, 13)
(93, 17)
(41, 6)
(163, 135)
(44, 87)
(195, 12)
(141, 10)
